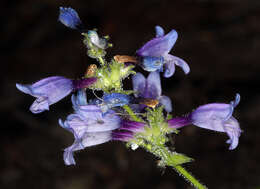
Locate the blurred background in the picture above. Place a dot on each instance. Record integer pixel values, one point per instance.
(219, 40)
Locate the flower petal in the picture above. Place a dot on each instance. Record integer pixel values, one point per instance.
(68, 152)
(75, 125)
(55, 88)
(166, 102)
(177, 61)
(139, 84)
(132, 126)
(122, 135)
(39, 105)
(158, 46)
(90, 118)
(179, 122)
(153, 89)
(211, 116)
(83, 83)
(91, 139)
(159, 31)
(169, 69)
(47, 91)
(70, 18)
(24, 88)
(218, 117)
(233, 131)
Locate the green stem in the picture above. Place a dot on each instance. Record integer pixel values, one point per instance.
(132, 114)
(101, 60)
(189, 177)
(171, 159)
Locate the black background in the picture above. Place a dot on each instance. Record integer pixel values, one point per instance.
(220, 41)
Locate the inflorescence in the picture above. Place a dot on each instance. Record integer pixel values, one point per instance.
(140, 117)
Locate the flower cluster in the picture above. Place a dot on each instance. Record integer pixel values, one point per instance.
(140, 117)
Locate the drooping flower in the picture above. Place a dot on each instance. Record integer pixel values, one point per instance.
(52, 89)
(70, 18)
(89, 127)
(214, 116)
(155, 54)
(150, 88)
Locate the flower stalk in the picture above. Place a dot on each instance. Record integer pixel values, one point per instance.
(168, 158)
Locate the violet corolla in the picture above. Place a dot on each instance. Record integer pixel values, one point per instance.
(155, 54)
(70, 18)
(51, 90)
(89, 127)
(216, 117)
(150, 88)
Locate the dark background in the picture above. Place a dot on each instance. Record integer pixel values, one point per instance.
(220, 41)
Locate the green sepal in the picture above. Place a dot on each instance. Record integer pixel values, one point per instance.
(110, 77)
(93, 50)
(178, 159)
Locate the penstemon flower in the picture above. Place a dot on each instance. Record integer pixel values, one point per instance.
(89, 127)
(155, 53)
(136, 117)
(216, 117)
(150, 88)
(52, 89)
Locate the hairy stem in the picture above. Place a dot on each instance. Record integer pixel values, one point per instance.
(189, 177)
(101, 60)
(172, 159)
(132, 114)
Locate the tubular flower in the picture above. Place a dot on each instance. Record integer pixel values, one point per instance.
(155, 53)
(151, 88)
(214, 116)
(52, 89)
(127, 130)
(70, 18)
(89, 127)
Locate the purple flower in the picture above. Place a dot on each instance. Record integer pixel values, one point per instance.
(155, 53)
(89, 127)
(215, 116)
(52, 89)
(127, 130)
(151, 88)
(70, 18)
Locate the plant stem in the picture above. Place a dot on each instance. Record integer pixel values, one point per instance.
(101, 60)
(189, 177)
(171, 159)
(132, 114)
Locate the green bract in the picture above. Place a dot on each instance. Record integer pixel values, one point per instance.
(110, 77)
